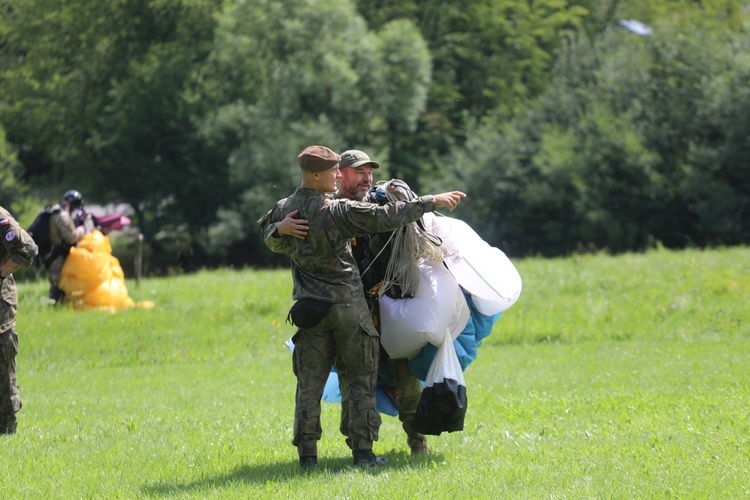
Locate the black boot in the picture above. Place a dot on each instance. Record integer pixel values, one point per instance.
(417, 441)
(9, 426)
(366, 458)
(56, 296)
(308, 463)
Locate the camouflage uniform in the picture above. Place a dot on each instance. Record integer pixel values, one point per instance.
(408, 387)
(62, 236)
(323, 269)
(18, 246)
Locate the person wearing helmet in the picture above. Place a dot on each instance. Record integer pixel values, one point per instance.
(63, 234)
(81, 217)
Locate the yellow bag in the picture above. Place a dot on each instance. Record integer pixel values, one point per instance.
(92, 276)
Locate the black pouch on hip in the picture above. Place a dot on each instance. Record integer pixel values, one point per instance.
(306, 313)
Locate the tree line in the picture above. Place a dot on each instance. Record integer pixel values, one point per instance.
(568, 130)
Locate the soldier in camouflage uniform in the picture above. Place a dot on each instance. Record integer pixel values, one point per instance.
(17, 250)
(326, 279)
(63, 234)
(356, 180)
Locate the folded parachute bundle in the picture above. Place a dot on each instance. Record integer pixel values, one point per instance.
(488, 279)
(442, 405)
(482, 270)
(92, 276)
(465, 293)
(466, 344)
(488, 283)
(438, 306)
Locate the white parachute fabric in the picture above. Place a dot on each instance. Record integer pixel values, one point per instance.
(438, 306)
(482, 270)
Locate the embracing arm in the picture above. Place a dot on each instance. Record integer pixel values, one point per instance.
(275, 234)
(289, 226)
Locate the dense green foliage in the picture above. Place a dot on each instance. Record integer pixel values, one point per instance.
(634, 140)
(611, 377)
(309, 72)
(567, 130)
(10, 188)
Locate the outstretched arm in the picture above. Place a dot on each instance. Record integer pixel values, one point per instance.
(451, 199)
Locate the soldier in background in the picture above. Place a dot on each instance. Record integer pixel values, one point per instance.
(63, 234)
(16, 250)
(331, 313)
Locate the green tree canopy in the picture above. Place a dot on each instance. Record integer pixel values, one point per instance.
(284, 75)
(96, 96)
(11, 190)
(636, 139)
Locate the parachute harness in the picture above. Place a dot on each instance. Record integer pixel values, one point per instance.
(409, 244)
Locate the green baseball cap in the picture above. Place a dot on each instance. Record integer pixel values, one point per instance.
(354, 158)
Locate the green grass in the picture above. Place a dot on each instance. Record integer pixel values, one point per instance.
(614, 377)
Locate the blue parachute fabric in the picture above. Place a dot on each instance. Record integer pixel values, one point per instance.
(384, 402)
(482, 323)
(331, 392)
(466, 344)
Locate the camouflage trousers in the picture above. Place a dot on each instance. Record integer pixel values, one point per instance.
(409, 390)
(345, 331)
(10, 403)
(54, 270)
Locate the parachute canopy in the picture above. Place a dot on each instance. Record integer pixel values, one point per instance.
(112, 222)
(438, 306)
(93, 277)
(482, 270)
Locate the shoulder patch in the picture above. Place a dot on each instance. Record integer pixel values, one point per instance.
(10, 236)
(4, 222)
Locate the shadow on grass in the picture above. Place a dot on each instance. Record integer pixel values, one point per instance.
(278, 472)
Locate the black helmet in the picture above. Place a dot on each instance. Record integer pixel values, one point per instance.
(73, 197)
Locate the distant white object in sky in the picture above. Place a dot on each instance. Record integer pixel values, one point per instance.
(636, 27)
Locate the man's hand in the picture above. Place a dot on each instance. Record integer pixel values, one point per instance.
(289, 226)
(451, 199)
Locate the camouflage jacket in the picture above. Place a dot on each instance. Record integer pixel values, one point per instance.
(322, 264)
(18, 246)
(62, 228)
(361, 249)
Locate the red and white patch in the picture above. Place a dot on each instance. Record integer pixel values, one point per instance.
(4, 222)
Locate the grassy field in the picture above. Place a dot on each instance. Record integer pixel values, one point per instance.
(612, 377)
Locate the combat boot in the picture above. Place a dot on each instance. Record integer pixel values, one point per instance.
(417, 441)
(56, 296)
(308, 463)
(366, 458)
(418, 444)
(8, 427)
